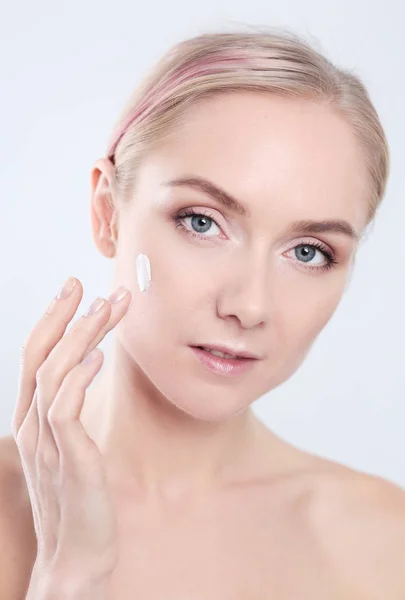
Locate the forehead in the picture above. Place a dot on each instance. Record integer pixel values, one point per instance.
(298, 154)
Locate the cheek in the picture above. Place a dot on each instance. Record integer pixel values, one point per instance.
(181, 274)
(181, 284)
(296, 321)
(305, 315)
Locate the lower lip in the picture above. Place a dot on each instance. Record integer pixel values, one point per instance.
(223, 366)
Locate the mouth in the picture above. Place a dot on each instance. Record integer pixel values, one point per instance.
(224, 361)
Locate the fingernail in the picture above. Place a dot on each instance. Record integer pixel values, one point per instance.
(118, 294)
(95, 306)
(67, 288)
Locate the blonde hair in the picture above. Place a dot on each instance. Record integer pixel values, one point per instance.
(269, 60)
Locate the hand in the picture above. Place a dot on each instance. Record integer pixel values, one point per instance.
(73, 516)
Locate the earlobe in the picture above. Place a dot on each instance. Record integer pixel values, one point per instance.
(103, 211)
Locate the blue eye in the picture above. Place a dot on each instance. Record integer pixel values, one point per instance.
(201, 223)
(305, 253)
(197, 224)
(308, 254)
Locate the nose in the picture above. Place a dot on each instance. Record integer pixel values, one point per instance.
(244, 294)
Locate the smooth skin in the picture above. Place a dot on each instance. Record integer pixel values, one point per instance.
(189, 495)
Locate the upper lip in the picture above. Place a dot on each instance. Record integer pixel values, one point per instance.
(227, 350)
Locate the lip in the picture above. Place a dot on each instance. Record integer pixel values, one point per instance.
(226, 350)
(230, 367)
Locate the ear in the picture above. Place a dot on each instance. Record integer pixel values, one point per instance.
(104, 214)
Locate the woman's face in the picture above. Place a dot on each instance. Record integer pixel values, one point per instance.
(245, 277)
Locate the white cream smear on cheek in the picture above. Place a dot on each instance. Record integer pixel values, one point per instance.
(143, 272)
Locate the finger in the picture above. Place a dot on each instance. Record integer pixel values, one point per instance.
(119, 308)
(27, 436)
(43, 337)
(72, 348)
(54, 378)
(64, 414)
(68, 352)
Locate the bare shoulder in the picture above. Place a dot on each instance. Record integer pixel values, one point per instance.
(360, 522)
(17, 534)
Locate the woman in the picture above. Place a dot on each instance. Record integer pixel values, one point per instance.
(233, 196)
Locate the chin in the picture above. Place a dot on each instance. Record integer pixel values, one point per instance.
(208, 401)
(195, 396)
(202, 394)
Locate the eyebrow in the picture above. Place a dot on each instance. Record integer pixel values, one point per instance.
(297, 227)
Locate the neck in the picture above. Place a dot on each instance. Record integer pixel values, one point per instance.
(154, 448)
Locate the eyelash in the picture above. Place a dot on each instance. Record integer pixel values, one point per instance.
(188, 212)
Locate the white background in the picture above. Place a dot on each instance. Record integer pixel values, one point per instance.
(67, 68)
